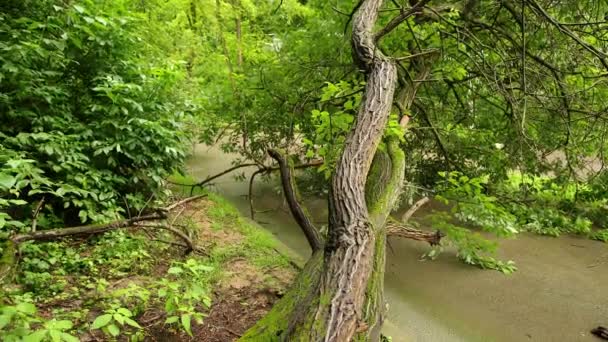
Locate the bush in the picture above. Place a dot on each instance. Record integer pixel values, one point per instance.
(90, 125)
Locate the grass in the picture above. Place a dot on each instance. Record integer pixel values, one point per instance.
(78, 280)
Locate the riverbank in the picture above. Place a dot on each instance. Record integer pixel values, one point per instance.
(140, 285)
(253, 271)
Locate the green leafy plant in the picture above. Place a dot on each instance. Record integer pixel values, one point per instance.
(113, 320)
(183, 294)
(21, 323)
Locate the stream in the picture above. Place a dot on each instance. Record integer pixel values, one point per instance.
(559, 293)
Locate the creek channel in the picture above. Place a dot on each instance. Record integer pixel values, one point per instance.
(559, 293)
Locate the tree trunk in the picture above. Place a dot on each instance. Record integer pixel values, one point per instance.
(338, 296)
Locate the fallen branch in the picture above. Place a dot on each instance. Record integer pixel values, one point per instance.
(189, 245)
(8, 259)
(433, 238)
(52, 234)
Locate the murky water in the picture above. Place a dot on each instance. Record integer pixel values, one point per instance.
(559, 293)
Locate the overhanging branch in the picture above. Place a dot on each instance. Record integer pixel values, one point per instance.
(396, 21)
(310, 231)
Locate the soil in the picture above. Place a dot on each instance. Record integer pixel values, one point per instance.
(233, 312)
(243, 296)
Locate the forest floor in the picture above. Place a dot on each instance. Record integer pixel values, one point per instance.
(128, 285)
(254, 272)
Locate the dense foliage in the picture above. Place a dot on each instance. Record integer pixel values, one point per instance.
(93, 120)
(100, 101)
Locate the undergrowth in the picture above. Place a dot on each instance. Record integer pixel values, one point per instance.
(103, 286)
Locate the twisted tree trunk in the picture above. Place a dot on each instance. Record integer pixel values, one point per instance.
(338, 296)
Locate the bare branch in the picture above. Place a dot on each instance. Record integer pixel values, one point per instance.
(311, 232)
(408, 214)
(35, 214)
(565, 30)
(396, 21)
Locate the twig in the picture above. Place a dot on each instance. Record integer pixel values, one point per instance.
(417, 55)
(231, 331)
(177, 232)
(184, 201)
(210, 178)
(35, 214)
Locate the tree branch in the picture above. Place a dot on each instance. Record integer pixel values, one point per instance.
(542, 13)
(408, 214)
(396, 21)
(311, 232)
(394, 229)
(89, 229)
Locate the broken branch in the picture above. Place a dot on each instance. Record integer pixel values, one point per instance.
(433, 238)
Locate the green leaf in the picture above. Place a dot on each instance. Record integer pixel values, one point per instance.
(186, 323)
(119, 318)
(125, 312)
(113, 330)
(36, 336)
(4, 321)
(27, 308)
(175, 270)
(171, 320)
(69, 338)
(132, 323)
(101, 321)
(55, 335)
(79, 9)
(7, 181)
(63, 325)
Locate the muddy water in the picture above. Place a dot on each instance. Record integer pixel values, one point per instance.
(559, 293)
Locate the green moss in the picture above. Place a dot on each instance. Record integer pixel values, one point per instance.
(276, 322)
(383, 204)
(7, 263)
(374, 299)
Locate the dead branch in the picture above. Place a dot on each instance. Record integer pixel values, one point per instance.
(311, 232)
(52, 234)
(35, 214)
(189, 245)
(394, 229)
(182, 202)
(253, 175)
(408, 214)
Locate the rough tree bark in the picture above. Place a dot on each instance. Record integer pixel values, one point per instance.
(338, 296)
